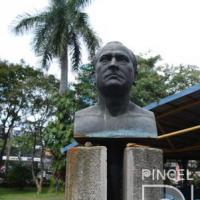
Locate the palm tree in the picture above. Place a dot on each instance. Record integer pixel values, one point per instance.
(57, 34)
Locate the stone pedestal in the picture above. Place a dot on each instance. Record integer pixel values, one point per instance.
(141, 166)
(86, 176)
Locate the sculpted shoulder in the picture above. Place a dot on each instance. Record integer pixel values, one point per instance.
(95, 110)
(136, 110)
(89, 111)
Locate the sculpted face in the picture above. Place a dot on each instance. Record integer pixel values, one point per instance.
(114, 70)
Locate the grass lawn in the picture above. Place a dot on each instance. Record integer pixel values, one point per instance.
(28, 194)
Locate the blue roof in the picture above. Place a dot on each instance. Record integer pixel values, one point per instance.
(173, 97)
(73, 143)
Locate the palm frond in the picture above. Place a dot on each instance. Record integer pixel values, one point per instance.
(57, 3)
(89, 36)
(75, 52)
(45, 48)
(59, 31)
(40, 37)
(59, 38)
(51, 33)
(91, 40)
(25, 22)
(78, 4)
(46, 57)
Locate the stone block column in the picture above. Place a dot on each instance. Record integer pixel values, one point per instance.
(141, 165)
(86, 174)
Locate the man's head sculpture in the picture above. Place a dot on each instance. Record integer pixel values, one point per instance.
(115, 116)
(115, 69)
(113, 46)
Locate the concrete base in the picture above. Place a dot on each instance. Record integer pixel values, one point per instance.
(141, 165)
(86, 176)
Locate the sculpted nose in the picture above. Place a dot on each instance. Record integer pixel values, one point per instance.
(113, 64)
(113, 61)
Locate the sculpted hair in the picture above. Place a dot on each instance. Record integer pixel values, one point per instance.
(131, 54)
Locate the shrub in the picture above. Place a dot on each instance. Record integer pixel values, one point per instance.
(19, 175)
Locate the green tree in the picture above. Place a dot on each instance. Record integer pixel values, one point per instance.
(57, 33)
(155, 81)
(150, 82)
(59, 132)
(181, 77)
(25, 102)
(40, 111)
(85, 88)
(13, 81)
(21, 146)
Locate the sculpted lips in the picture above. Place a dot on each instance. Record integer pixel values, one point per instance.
(113, 76)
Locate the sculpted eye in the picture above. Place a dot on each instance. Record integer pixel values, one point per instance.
(122, 58)
(105, 58)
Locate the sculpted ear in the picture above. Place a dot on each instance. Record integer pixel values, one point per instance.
(135, 75)
(135, 67)
(93, 77)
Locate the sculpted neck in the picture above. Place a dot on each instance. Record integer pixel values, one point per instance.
(114, 105)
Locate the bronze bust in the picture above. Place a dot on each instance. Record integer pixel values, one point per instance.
(115, 116)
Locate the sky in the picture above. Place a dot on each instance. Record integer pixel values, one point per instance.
(170, 28)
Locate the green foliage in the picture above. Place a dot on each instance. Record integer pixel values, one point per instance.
(23, 145)
(51, 185)
(156, 82)
(85, 87)
(56, 185)
(19, 175)
(59, 132)
(25, 102)
(15, 81)
(181, 77)
(20, 87)
(196, 181)
(150, 84)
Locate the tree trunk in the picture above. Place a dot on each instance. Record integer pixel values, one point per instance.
(3, 150)
(39, 182)
(8, 150)
(64, 73)
(6, 136)
(38, 179)
(35, 178)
